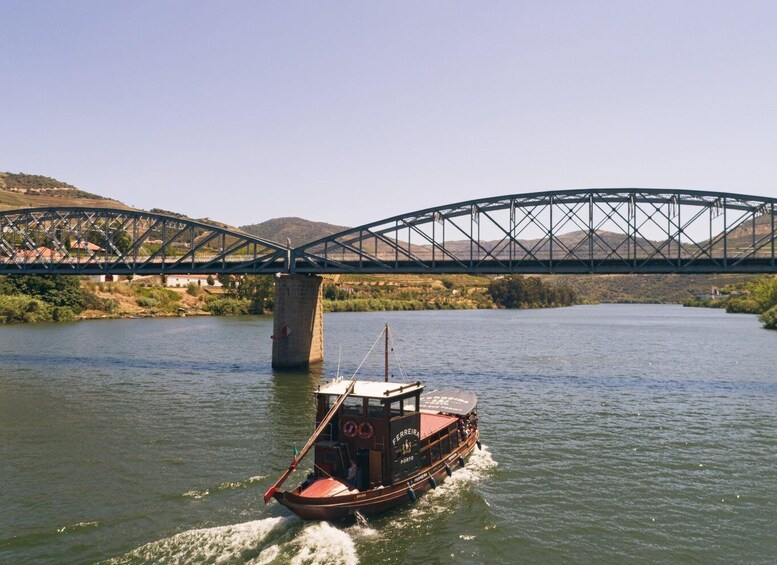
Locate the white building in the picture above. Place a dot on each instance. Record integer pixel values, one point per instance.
(186, 280)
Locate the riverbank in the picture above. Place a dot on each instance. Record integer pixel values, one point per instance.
(755, 296)
(148, 298)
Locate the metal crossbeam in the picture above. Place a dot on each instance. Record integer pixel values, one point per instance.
(625, 230)
(97, 241)
(628, 230)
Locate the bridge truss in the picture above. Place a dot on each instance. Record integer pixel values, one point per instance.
(629, 230)
(97, 241)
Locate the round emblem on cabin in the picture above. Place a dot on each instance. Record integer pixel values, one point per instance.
(366, 430)
(350, 428)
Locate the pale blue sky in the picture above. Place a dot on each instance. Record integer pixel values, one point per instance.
(348, 112)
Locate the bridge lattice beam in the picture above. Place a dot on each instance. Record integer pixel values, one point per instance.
(97, 241)
(624, 230)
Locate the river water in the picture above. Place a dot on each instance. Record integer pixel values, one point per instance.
(611, 433)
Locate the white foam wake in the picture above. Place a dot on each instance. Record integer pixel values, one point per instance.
(261, 542)
(477, 468)
(316, 544)
(322, 544)
(79, 526)
(222, 544)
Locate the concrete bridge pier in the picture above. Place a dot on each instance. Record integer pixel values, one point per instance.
(298, 322)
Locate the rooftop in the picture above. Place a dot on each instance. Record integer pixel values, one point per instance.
(371, 389)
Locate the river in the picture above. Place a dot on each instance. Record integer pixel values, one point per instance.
(611, 434)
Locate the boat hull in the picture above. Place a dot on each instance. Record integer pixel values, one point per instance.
(378, 500)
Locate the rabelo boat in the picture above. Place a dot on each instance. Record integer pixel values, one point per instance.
(378, 445)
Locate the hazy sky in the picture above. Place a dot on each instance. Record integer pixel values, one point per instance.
(348, 112)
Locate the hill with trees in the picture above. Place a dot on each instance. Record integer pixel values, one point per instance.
(298, 230)
(20, 190)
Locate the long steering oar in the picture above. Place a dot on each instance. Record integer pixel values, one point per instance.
(297, 458)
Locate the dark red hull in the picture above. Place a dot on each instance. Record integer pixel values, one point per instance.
(377, 500)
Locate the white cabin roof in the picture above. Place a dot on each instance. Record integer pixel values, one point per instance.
(370, 389)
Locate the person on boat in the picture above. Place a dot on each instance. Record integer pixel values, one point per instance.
(352, 470)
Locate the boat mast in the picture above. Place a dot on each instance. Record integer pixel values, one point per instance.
(385, 374)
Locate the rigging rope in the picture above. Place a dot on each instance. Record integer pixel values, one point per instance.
(368, 354)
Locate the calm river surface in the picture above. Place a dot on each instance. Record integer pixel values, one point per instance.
(612, 434)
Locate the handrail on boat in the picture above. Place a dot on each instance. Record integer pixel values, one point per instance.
(401, 388)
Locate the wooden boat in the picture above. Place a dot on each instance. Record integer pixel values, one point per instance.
(402, 440)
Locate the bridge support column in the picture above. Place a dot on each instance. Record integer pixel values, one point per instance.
(298, 322)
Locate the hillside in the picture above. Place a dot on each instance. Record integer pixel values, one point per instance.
(667, 289)
(298, 230)
(20, 190)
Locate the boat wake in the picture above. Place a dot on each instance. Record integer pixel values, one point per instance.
(270, 540)
(198, 494)
(290, 540)
(79, 526)
(479, 466)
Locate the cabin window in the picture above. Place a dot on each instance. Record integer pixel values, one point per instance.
(445, 445)
(435, 452)
(410, 404)
(353, 406)
(374, 408)
(396, 408)
(425, 462)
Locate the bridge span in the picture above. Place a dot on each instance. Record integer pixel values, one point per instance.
(597, 231)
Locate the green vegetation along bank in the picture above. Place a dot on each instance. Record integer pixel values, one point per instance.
(63, 298)
(755, 296)
(53, 298)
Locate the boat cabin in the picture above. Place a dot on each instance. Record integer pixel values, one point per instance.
(385, 429)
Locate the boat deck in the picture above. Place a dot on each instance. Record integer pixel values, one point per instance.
(433, 423)
(323, 488)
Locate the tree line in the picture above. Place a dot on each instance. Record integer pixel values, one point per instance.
(518, 291)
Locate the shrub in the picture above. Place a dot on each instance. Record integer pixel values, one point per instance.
(146, 301)
(228, 306)
(63, 314)
(193, 289)
(57, 290)
(22, 308)
(92, 301)
(742, 306)
(158, 297)
(769, 318)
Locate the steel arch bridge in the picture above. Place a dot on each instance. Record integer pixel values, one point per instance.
(97, 241)
(601, 231)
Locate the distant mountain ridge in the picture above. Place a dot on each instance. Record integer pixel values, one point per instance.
(297, 230)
